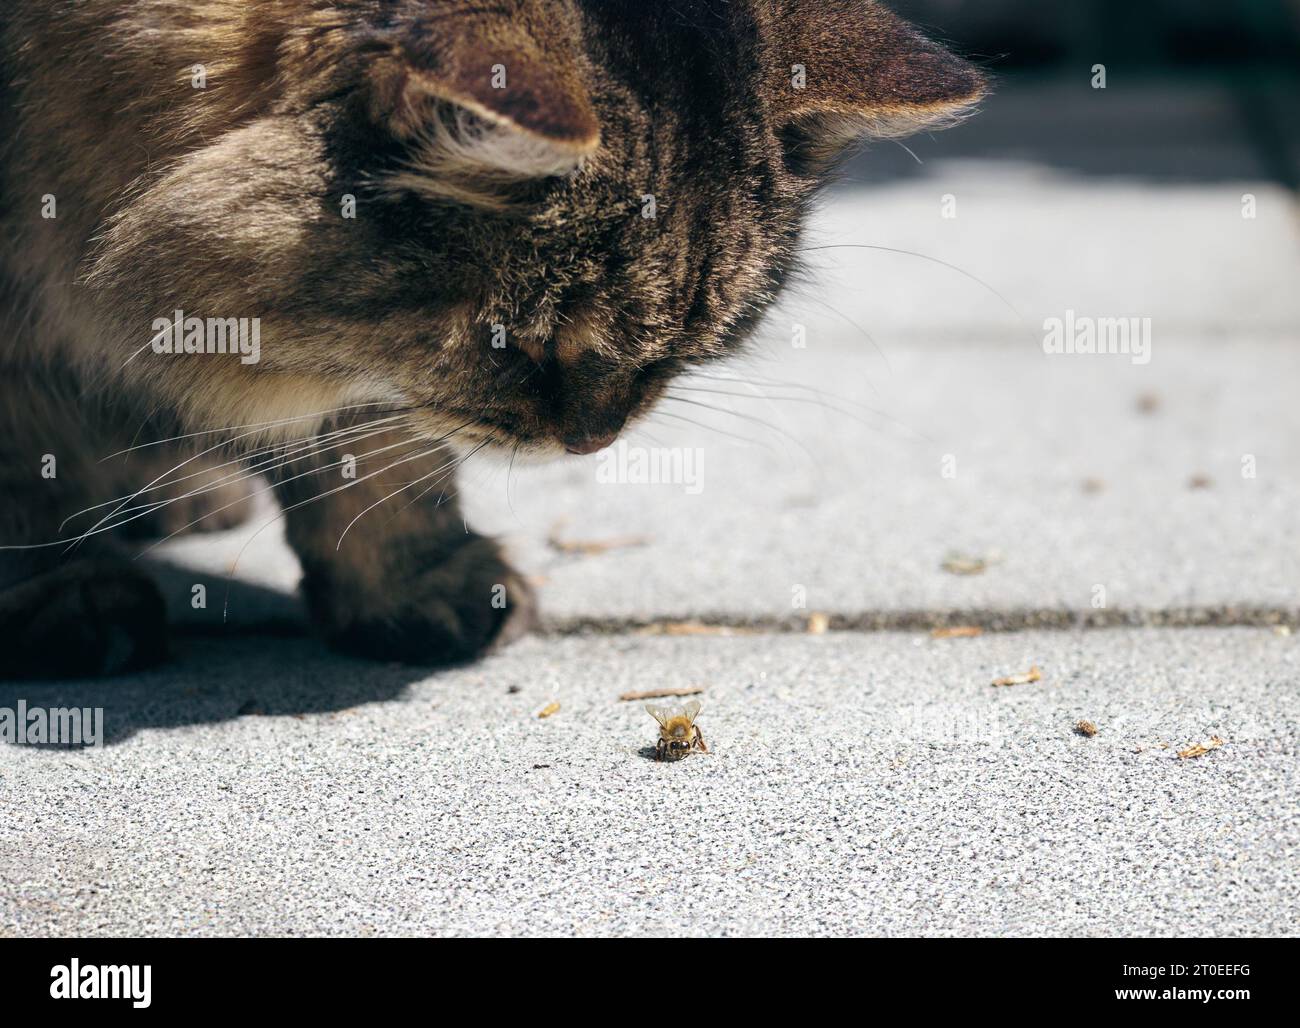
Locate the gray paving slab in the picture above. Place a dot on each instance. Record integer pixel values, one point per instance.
(859, 784)
(1049, 240)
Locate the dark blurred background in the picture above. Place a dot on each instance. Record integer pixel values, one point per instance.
(1148, 34)
(1197, 90)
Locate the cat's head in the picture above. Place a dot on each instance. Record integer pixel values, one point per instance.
(559, 204)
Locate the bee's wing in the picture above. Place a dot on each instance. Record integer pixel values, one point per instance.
(658, 713)
(691, 710)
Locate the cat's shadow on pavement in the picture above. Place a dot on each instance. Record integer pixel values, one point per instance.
(219, 671)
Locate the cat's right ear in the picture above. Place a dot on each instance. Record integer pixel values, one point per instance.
(851, 69)
(485, 93)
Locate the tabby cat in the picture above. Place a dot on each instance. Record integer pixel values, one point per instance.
(348, 242)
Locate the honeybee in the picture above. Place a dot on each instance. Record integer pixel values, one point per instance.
(678, 735)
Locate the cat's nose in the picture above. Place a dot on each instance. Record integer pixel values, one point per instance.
(590, 443)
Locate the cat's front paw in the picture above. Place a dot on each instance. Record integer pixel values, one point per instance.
(88, 618)
(420, 611)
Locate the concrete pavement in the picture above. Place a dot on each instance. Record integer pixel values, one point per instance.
(859, 784)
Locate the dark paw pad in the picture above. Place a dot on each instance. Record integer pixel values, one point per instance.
(90, 618)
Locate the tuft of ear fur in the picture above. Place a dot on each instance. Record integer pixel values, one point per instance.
(457, 156)
(851, 68)
(485, 95)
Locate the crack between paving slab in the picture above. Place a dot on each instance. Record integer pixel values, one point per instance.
(927, 620)
(1029, 619)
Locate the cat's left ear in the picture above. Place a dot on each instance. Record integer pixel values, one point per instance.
(851, 68)
(516, 96)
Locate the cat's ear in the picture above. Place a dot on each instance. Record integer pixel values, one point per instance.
(851, 68)
(487, 91)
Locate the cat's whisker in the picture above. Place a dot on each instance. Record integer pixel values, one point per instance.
(909, 150)
(745, 417)
(146, 346)
(446, 469)
(853, 324)
(448, 475)
(640, 430)
(293, 478)
(754, 392)
(455, 492)
(274, 451)
(243, 460)
(146, 509)
(95, 528)
(925, 257)
(161, 478)
(865, 408)
(710, 428)
(261, 424)
(346, 437)
(255, 471)
(143, 424)
(510, 470)
(754, 385)
(813, 401)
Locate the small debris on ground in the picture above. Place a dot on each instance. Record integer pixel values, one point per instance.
(1200, 481)
(1148, 403)
(818, 623)
(1034, 674)
(1282, 630)
(549, 709)
(1093, 485)
(591, 547)
(1085, 728)
(956, 632)
(655, 694)
(1200, 749)
(691, 628)
(963, 564)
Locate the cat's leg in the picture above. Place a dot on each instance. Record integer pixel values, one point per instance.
(390, 570)
(63, 612)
